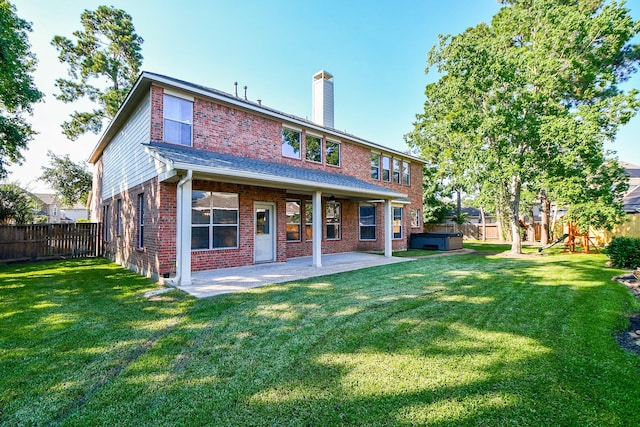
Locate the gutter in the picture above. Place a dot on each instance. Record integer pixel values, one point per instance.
(288, 182)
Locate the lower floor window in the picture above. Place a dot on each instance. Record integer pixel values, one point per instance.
(415, 218)
(308, 219)
(214, 220)
(397, 222)
(367, 222)
(293, 220)
(333, 220)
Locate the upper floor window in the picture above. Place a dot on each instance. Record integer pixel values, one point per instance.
(367, 222)
(333, 220)
(178, 120)
(386, 169)
(406, 173)
(375, 166)
(214, 219)
(291, 143)
(396, 171)
(333, 153)
(314, 148)
(293, 220)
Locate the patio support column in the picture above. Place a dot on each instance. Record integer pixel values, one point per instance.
(388, 237)
(317, 229)
(183, 230)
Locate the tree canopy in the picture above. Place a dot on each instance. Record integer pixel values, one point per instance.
(17, 89)
(106, 50)
(16, 205)
(71, 181)
(531, 99)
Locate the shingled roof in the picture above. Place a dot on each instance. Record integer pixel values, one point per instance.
(219, 164)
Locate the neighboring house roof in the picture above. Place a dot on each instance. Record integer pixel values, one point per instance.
(46, 198)
(278, 174)
(51, 199)
(634, 174)
(631, 201)
(141, 87)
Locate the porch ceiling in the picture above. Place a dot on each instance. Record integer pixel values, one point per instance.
(242, 170)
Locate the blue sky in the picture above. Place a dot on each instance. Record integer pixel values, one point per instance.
(375, 49)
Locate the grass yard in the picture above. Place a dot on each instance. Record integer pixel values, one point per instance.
(458, 340)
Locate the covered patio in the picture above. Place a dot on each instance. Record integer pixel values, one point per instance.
(187, 165)
(215, 282)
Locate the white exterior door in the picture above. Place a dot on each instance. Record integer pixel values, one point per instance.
(264, 240)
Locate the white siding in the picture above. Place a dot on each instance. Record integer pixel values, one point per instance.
(126, 163)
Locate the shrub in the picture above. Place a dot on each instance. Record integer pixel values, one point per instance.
(624, 252)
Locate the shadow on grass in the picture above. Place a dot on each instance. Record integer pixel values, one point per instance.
(463, 340)
(68, 328)
(454, 341)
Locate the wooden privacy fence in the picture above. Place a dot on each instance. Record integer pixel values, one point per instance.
(469, 231)
(44, 241)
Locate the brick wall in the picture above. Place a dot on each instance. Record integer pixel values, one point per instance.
(231, 130)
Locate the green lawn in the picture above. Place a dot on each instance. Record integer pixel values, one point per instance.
(456, 340)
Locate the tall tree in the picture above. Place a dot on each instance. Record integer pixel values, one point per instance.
(519, 98)
(106, 50)
(71, 181)
(17, 89)
(16, 205)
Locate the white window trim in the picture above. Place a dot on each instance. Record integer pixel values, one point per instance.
(140, 225)
(306, 220)
(393, 170)
(373, 153)
(119, 217)
(339, 223)
(106, 223)
(375, 225)
(211, 226)
(299, 223)
(306, 135)
(393, 207)
(299, 149)
(339, 154)
(191, 125)
(408, 172)
(419, 214)
(382, 169)
(180, 95)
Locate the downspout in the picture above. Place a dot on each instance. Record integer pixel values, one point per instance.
(181, 183)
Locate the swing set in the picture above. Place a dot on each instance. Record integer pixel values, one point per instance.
(576, 239)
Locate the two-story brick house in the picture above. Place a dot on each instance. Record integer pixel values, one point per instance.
(189, 178)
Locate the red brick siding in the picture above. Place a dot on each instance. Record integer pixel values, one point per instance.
(231, 130)
(157, 256)
(227, 129)
(157, 113)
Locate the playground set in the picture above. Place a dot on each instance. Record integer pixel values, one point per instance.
(575, 240)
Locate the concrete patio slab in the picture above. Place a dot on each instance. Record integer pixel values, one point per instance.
(215, 282)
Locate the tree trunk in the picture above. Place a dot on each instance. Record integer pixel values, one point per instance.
(514, 205)
(544, 217)
(484, 225)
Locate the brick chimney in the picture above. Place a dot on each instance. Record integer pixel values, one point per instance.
(322, 98)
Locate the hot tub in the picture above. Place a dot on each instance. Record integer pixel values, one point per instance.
(436, 241)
